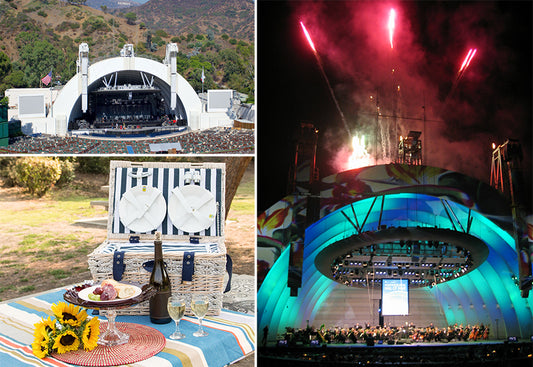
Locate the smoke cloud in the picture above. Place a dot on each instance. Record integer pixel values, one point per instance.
(492, 100)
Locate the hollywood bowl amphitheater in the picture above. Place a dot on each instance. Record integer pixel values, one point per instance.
(130, 97)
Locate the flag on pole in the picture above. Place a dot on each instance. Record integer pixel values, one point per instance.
(203, 76)
(47, 79)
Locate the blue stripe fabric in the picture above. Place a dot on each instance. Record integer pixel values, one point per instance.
(231, 335)
(15, 354)
(218, 196)
(176, 182)
(166, 192)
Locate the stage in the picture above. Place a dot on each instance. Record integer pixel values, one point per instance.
(141, 132)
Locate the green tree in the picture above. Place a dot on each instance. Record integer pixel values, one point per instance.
(238, 73)
(25, 38)
(38, 59)
(161, 33)
(94, 24)
(195, 78)
(103, 7)
(15, 79)
(67, 172)
(131, 18)
(5, 65)
(140, 48)
(93, 165)
(36, 174)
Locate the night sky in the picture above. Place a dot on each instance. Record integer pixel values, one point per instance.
(489, 103)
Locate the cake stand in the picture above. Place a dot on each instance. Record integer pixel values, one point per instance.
(112, 336)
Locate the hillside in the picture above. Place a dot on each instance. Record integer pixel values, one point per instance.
(42, 35)
(64, 25)
(235, 18)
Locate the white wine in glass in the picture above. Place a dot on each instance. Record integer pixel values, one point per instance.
(199, 306)
(176, 310)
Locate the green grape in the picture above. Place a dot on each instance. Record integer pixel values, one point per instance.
(94, 297)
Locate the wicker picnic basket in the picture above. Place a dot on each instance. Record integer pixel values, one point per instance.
(128, 251)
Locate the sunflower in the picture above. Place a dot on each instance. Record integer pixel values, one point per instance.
(66, 341)
(90, 334)
(46, 326)
(41, 342)
(69, 314)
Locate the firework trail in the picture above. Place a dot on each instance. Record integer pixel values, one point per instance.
(308, 37)
(392, 25)
(319, 61)
(464, 66)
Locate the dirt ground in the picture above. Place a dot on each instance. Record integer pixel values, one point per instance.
(23, 273)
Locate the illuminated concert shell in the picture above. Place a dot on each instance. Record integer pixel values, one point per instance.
(414, 198)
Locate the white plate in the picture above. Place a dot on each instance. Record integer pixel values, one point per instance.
(142, 208)
(84, 294)
(192, 208)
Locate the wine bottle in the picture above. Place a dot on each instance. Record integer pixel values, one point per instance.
(159, 280)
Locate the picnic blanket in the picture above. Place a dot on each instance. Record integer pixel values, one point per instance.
(231, 335)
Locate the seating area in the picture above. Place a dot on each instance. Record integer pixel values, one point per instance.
(436, 355)
(215, 140)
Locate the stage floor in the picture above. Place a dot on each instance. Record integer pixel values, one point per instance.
(418, 344)
(401, 344)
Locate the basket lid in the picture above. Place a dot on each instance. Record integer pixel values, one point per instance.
(177, 199)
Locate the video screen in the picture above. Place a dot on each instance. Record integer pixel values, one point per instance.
(395, 297)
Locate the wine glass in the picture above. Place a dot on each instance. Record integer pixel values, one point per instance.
(176, 309)
(199, 306)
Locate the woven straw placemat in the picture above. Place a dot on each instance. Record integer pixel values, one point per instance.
(144, 342)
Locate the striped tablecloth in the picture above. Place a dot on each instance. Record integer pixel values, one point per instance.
(231, 335)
